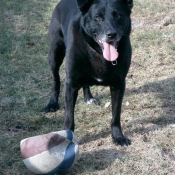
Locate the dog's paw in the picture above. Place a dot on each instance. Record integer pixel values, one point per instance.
(122, 141)
(51, 107)
(92, 101)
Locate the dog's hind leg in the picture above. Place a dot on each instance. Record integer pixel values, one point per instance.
(56, 56)
(88, 98)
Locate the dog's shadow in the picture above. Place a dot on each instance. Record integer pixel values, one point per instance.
(163, 90)
(97, 160)
(88, 138)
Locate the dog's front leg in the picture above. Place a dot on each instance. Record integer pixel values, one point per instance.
(71, 93)
(116, 98)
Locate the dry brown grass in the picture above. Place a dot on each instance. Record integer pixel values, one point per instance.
(148, 116)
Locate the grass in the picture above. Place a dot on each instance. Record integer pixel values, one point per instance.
(148, 120)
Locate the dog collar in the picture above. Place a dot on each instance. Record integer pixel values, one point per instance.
(114, 63)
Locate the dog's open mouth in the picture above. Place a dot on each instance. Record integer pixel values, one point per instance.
(109, 50)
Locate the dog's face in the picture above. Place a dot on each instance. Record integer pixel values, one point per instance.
(106, 21)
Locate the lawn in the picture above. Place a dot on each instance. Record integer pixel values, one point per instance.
(148, 113)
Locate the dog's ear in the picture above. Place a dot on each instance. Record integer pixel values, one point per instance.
(128, 3)
(84, 5)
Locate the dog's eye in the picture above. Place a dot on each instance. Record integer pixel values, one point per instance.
(116, 14)
(98, 18)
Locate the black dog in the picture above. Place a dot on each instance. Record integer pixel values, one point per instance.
(94, 36)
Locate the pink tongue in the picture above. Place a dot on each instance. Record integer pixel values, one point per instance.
(109, 52)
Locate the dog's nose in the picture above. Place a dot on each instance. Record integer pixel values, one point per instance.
(111, 34)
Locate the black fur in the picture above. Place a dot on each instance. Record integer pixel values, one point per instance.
(75, 28)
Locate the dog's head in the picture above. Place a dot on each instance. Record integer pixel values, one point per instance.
(106, 21)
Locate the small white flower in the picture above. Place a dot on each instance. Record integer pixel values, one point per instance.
(127, 103)
(107, 104)
(172, 125)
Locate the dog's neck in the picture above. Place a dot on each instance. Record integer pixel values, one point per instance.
(91, 42)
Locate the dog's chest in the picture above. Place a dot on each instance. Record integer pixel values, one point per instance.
(99, 79)
(103, 74)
